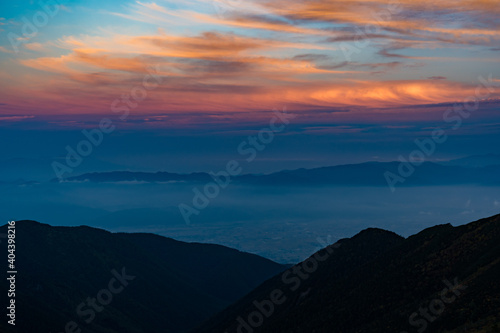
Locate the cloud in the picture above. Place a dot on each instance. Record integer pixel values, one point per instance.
(260, 22)
(5, 50)
(33, 46)
(15, 118)
(258, 55)
(223, 72)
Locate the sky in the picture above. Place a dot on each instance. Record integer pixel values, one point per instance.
(185, 83)
(352, 72)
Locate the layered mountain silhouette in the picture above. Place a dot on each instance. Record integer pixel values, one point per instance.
(167, 285)
(364, 174)
(443, 279)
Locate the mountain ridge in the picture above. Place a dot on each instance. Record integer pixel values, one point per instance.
(362, 174)
(387, 292)
(60, 267)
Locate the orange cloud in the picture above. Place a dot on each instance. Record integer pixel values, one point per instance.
(405, 18)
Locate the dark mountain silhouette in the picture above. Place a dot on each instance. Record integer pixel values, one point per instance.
(363, 174)
(443, 279)
(177, 285)
(379, 282)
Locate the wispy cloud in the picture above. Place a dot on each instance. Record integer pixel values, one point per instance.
(255, 55)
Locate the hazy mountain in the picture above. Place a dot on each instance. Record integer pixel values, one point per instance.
(475, 161)
(40, 168)
(130, 176)
(19, 182)
(368, 174)
(364, 174)
(443, 279)
(168, 286)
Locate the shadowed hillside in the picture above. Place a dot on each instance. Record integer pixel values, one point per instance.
(444, 279)
(160, 284)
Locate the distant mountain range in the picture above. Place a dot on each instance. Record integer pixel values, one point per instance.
(148, 177)
(373, 174)
(174, 286)
(476, 161)
(13, 171)
(443, 279)
(466, 171)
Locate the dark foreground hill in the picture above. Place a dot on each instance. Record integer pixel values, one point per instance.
(72, 278)
(443, 279)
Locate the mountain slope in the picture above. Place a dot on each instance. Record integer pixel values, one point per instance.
(388, 292)
(175, 285)
(341, 259)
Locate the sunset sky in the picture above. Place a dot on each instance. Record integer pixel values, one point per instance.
(340, 66)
